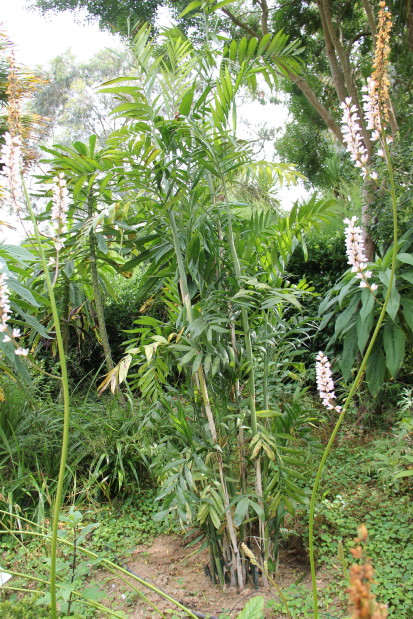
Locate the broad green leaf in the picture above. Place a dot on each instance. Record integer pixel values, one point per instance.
(268, 413)
(241, 510)
(406, 258)
(384, 277)
(221, 4)
(364, 326)
(407, 473)
(394, 341)
(259, 510)
(188, 357)
(35, 324)
(407, 276)
(197, 362)
(69, 269)
(94, 593)
(407, 305)
(191, 7)
(215, 518)
(186, 102)
(15, 252)
(394, 302)
(263, 44)
(346, 318)
(288, 505)
(101, 243)
(376, 369)
(367, 300)
(23, 292)
(254, 609)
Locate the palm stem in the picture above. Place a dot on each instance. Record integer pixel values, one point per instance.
(207, 405)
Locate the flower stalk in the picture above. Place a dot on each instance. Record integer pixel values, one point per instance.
(66, 410)
(379, 103)
(356, 383)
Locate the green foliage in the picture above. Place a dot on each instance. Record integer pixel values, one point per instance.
(130, 522)
(25, 609)
(355, 311)
(108, 455)
(69, 99)
(298, 599)
(359, 492)
(111, 532)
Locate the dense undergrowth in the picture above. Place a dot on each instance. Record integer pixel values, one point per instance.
(111, 504)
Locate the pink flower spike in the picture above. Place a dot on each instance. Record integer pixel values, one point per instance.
(11, 160)
(325, 384)
(59, 209)
(356, 252)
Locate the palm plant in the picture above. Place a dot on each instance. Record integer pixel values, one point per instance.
(180, 160)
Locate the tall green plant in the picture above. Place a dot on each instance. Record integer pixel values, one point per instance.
(181, 159)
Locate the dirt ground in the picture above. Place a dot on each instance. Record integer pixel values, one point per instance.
(180, 572)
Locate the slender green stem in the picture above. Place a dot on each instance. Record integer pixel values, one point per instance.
(356, 383)
(115, 569)
(66, 410)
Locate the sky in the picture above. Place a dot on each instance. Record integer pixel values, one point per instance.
(39, 38)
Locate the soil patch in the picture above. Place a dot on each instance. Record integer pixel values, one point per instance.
(180, 572)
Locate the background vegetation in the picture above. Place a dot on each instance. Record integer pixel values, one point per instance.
(192, 305)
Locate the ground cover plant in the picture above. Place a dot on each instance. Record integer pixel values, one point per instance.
(209, 422)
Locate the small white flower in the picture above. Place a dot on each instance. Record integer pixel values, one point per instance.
(22, 352)
(352, 137)
(6, 339)
(5, 309)
(16, 332)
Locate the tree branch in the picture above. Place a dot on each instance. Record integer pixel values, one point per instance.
(240, 23)
(370, 17)
(299, 81)
(336, 70)
(264, 16)
(356, 38)
(307, 91)
(349, 84)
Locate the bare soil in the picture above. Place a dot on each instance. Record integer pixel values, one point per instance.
(180, 572)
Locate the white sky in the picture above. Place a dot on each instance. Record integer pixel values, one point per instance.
(39, 38)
